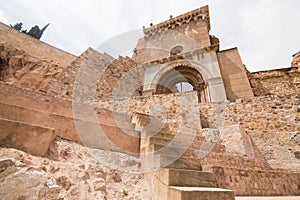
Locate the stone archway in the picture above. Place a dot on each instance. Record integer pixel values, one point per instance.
(182, 74)
(205, 78)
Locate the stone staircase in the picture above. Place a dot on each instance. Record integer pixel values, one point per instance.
(175, 173)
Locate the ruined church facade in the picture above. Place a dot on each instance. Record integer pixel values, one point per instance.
(178, 79)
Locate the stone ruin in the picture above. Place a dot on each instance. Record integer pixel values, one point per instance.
(194, 121)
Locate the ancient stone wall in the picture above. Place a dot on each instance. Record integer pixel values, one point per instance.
(257, 182)
(34, 46)
(30, 107)
(282, 82)
(174, 109)
(109, 75)
(26, 71)
(272, 122)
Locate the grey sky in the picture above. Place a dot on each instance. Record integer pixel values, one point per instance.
(266, 32)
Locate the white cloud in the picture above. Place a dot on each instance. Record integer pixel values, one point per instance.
(270, 33)
(3, 19)
(265, 31)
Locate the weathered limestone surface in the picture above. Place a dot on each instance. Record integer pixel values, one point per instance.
(281, 82)
(25, 70)
(234, 75)
(34, 46)
(194, 25)
(258, 153)
(296, 60)
(111, 72)
(272, 122)
(175, 175)
(191, 178)
(68, 172)
(258, 182)
(27, 137)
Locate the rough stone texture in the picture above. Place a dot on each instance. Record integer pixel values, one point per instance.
(34, 108)
(34, 46)
(25, 70)
(260, 157)
(257, 182)
(280, 82)
(30, 138)
(62, 84)
(169, 108)
(296, 60)
(68, 172)
(272, 122)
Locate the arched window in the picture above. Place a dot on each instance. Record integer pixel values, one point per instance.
(182, 79)
(184, 86)
(176, 50)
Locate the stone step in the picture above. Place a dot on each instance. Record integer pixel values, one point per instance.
(162, 133)
(199, 193)
(170, 150)
(154, 162)
(181, 177)
(155, 140)
(144, 120)
(153, 131)
(170, 140)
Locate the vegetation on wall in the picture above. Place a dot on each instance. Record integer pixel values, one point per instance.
(35, 31)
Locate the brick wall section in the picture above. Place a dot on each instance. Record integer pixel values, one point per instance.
(234, 75)
(234, 161)
(280, 82)
(34, 46)
(251, 182)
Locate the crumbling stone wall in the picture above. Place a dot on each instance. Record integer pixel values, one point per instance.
(25, 71)
(282, 82)
(34, 46)
(296, 60)
(174, 109)
(271, 121)
(43, 110)
(62, 84)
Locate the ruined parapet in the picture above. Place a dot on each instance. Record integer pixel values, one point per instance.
(26, 70)
(296, 60)
(33, 46)
(181, 20)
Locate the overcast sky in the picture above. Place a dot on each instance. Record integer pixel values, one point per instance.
(267, 32)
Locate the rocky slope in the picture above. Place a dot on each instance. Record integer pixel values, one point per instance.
(68, 172)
